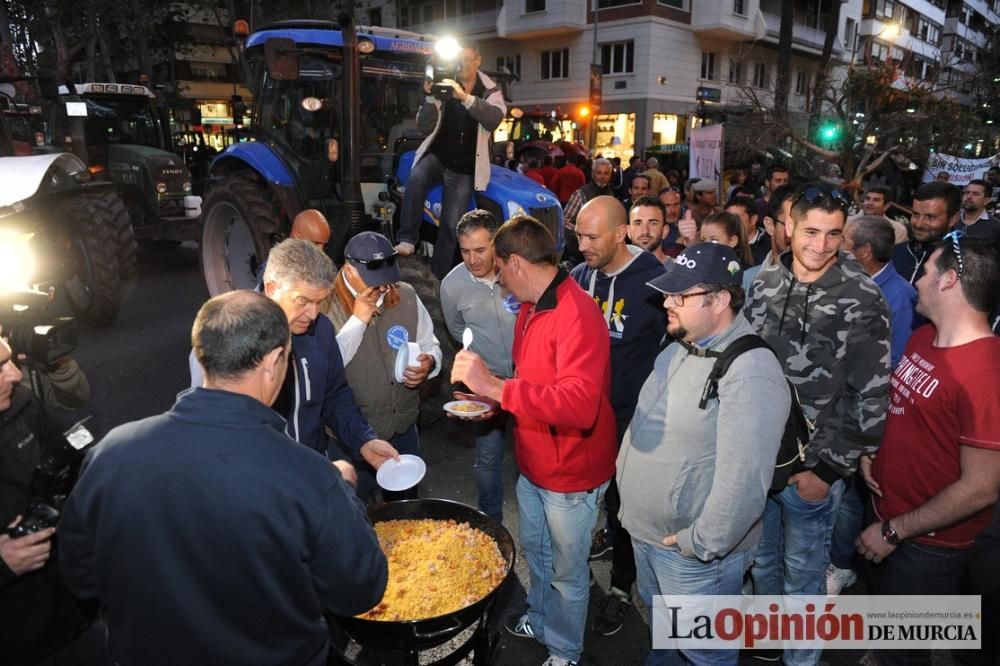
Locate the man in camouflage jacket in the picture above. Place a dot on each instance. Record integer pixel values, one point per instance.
(829, 325)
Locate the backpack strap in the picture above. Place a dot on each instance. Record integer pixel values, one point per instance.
(724, 359)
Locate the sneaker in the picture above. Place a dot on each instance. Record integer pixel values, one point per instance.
(517, 624)
(405, 249)
(838, 579)
(558, 661)
(601, 546)
(612, 616)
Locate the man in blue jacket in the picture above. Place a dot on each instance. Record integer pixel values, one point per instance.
(315, 393)
(208, 535)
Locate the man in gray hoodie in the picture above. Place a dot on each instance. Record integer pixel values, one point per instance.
(693, 480)
(829, 325)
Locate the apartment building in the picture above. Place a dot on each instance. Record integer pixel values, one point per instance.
(658, 57)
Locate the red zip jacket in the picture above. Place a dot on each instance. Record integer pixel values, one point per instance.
(564, 427)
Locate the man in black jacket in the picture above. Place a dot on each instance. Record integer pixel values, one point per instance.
(211, 537)
(37, 613)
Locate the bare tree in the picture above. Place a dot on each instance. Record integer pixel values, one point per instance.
(783, 78)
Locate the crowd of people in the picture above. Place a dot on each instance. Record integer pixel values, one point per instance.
(226, 529)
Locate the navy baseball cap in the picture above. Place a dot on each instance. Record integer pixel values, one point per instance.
(702, 263)
(374, 257)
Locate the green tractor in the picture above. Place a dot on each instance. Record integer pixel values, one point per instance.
(120, 133)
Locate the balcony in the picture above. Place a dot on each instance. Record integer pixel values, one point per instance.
(804, 37)
(954, 26)
(715, 20)
(483, 21)
(560, 17)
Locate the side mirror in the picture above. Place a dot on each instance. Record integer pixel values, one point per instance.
(281, 59)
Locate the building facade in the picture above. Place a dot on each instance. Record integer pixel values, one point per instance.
(657, 57)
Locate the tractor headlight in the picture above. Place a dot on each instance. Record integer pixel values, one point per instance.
(17, 261)
(514, 209)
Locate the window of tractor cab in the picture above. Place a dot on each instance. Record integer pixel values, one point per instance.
(122, 120)
(282, 113)
(391, 94)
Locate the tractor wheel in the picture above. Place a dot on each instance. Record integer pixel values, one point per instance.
(89, 238)
(114, 209)
(240, 222)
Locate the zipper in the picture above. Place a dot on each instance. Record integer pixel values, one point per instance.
(305, 371)
(294, 422)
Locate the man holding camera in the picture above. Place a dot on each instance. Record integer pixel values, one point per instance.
(455, 154)
(37, 613)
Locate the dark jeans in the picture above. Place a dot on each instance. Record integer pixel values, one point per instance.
(455, 200)
(915, 568)
(622, 555)
(982, 577)
(848, 522)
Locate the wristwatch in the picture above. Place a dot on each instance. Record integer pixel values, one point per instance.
(889, 534)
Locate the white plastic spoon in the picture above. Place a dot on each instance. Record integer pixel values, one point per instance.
(466, 339)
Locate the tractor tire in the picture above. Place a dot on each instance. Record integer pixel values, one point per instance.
(114, 209)
(92, 280)
(240, 223)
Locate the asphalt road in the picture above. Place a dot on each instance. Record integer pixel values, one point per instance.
(137, 365)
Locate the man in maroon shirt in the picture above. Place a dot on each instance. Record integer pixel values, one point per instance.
(937, 475)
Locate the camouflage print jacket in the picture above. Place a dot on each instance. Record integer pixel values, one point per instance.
(832, 336)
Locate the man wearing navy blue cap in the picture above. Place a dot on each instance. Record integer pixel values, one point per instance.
(715, 457)
(381, 368)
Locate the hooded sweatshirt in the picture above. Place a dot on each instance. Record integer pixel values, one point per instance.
(703, 474)
(832, 336)
(636, 322)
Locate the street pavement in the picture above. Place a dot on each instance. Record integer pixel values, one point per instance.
(137, 365)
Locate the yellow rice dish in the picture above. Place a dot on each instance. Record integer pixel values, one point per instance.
(435, 567)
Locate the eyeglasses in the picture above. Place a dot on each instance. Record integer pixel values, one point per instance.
(680, 299)
(955, 236)
(375, 264)
(814, 194)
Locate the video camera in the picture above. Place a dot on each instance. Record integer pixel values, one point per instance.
(446, 63)
(52, 480)
(43, 340)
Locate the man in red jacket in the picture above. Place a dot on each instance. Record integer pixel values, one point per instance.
(564, 431)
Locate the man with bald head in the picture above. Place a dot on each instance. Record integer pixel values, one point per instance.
(311, 225)
(616, 276)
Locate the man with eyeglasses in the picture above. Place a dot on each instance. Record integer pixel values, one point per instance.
(716, 458)
(936, 207)
(455, 154)
(829, 325)
(936, 478)
(371, 351)
(315, 393)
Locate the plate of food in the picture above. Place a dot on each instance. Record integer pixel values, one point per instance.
(466, 408)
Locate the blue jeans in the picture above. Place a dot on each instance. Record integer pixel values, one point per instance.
(488, 470)
(848, 522)
(455, 199)
(795, 550)
(663, 570)
(555, 540)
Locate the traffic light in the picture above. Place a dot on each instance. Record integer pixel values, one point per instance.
(829, 132)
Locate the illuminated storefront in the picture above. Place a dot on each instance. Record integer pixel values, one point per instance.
(615, 135)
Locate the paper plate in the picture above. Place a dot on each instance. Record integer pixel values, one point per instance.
(402, 359)
(401, 475)
(466, 408)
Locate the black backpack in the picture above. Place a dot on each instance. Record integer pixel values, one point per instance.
(798, 429)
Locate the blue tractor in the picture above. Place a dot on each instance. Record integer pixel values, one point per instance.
(333, 128)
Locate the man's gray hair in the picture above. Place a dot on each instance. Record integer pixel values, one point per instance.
(295, 260)
(600, 161)
(652, 163)
(877, 232)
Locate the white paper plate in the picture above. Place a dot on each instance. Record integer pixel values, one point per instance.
(402, 359)
(464, 408)
(401, 475)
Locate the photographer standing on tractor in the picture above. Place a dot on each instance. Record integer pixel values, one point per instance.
(38, 615)
(455, 154)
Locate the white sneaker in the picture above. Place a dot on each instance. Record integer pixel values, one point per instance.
(405, 249)
(837, 579)
(558, 661)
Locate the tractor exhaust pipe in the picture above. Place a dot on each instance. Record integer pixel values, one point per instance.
(350, 144)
